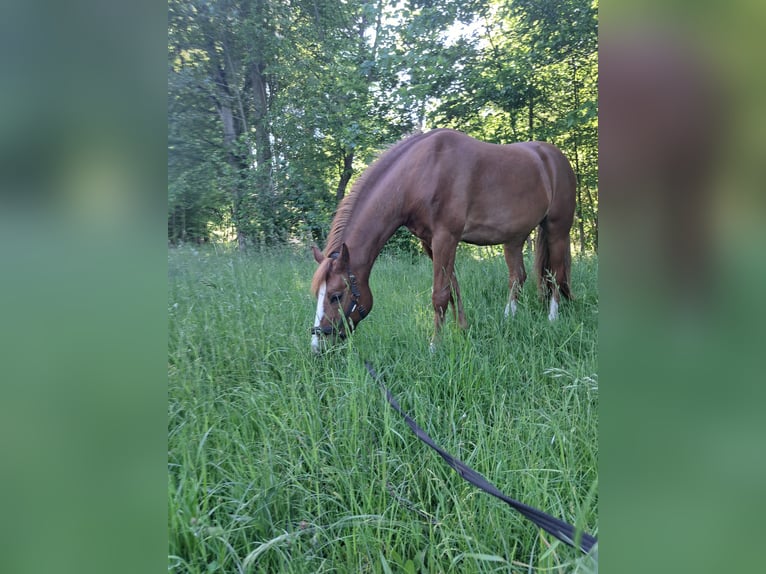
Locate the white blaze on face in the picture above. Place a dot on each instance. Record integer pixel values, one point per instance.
(318, 316)
(554, 312)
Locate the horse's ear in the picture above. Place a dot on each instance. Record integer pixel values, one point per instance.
(318, 255)
(343, 257)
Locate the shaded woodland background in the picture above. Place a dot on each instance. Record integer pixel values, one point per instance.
(274, 106)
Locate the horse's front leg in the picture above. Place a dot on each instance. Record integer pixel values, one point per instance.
(440, 297)
(445, 289)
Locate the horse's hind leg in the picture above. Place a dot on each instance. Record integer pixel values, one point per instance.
(457, 302)
(553, 261)
(517, 274)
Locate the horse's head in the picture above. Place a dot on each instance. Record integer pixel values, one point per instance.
(341, 300)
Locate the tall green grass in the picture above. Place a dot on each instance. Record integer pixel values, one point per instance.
(282, 461)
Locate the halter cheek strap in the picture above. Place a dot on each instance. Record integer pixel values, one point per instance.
(354, 304)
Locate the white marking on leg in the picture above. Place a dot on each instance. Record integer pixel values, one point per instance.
(510, 308)
(554, 312)
(318, 316)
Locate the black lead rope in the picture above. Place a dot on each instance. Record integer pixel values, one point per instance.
(558, 528)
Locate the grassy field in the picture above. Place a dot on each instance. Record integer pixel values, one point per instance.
(282, 461)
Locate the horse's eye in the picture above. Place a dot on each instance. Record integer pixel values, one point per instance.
(335, 298)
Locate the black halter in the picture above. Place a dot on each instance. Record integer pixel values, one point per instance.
(353, 305)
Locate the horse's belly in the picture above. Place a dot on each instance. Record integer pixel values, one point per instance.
(489, 235)
(498, 227)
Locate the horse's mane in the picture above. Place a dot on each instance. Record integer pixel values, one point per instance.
(347, 205)
(369, 176)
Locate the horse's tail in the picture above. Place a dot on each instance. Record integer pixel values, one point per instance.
(553, 262)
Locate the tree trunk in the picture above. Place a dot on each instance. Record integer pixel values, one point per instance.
(261, 108)
(345, 175)
(576, 146)
(531, 115)
(595, 219)
(264, 188)
(580, 222)
(236, 163)
(233, 127)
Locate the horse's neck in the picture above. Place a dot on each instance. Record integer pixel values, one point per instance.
(367, 232)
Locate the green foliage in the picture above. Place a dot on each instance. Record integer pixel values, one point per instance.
(276, 107)
(282, 461)
(403, 244)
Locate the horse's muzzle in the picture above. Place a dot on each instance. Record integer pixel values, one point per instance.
(327, 331)
(321, 330)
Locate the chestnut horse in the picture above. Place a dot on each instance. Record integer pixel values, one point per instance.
(447, 187)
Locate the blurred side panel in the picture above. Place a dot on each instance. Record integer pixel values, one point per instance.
(682, 172)
(83, 287)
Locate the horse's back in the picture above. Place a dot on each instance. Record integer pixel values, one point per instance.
(489, 193)
(499, 170)
(561, 183)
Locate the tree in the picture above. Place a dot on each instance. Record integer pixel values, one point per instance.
(275, 106)
(529, 72)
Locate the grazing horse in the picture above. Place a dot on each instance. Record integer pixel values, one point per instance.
(447, 187)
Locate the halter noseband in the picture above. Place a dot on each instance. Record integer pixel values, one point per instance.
(354, 304)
